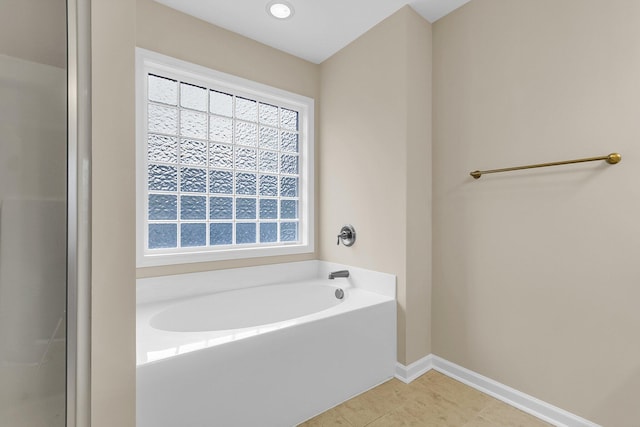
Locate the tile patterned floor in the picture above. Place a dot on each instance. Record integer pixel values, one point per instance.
(433, 400)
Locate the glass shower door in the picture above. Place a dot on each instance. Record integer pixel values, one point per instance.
(33, 212)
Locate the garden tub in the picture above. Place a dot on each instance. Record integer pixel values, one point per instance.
(261, 346)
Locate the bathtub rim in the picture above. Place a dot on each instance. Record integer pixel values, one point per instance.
(185, 285)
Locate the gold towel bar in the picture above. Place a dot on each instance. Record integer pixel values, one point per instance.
(612, 159)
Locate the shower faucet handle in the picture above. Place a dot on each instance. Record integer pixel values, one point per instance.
(347, 235)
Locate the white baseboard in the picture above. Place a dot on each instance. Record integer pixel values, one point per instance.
(406, 374)
(529, 404)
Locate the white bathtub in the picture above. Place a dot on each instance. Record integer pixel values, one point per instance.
(263, 354)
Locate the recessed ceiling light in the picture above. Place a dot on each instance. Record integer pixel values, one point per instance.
(280, 9)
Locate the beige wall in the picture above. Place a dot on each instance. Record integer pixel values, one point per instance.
(369, 126)
(32, 30)
(113, 220)
(33, 125)
(536, 272)
(419, 183)
(181, 36)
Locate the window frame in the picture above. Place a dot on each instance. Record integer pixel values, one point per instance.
(151, 62)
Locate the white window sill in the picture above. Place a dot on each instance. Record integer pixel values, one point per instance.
(167, 258)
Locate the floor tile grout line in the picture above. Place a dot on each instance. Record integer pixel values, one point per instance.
(373, 421)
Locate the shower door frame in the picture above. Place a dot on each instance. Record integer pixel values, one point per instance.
(78, 354)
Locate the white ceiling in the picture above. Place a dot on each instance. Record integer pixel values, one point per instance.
(318, 29)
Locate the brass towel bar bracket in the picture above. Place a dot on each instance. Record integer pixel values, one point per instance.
(612, 159)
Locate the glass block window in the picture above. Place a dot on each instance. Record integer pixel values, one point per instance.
(224, 168)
